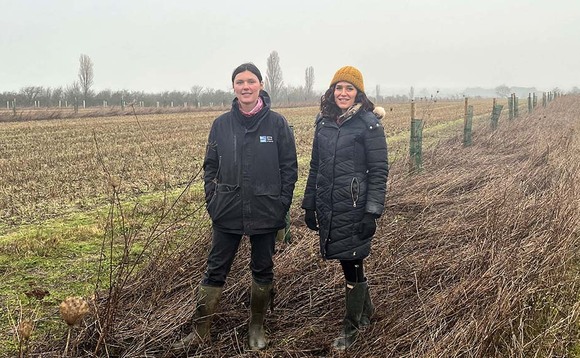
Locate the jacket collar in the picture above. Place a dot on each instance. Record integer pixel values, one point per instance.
(354, 109)
(251, 123)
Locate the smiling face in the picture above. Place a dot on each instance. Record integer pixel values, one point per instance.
(247, 88)
(344, 95)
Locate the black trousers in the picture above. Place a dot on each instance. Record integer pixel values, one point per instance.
(224, 247)
(353, 270)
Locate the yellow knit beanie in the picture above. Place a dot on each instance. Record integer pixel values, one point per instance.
(351, 75)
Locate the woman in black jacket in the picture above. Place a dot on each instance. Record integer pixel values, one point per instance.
(250, 170)
(346, 186)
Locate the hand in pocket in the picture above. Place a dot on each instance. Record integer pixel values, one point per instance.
(310, 220)
(367, 226)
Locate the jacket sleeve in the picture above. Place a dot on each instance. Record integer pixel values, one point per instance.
(210, 166)
(309, 201)
(288, 164)
(378, 168)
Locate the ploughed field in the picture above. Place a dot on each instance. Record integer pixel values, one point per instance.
(53, 167)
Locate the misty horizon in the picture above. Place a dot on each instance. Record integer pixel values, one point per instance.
(155, 46)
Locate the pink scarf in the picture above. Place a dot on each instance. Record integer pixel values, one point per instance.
(254, 110)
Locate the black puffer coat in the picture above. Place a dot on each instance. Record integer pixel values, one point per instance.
(250, 170)
(348, 175)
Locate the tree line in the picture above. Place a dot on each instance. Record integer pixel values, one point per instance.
(80, 92)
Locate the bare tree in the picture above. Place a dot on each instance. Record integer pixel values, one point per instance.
(503, 91)
(72, 93)
(86, 75)
(57, 95)
(31, 93)
(378, 92)
(46, 95)
(195, 94)
(412, 93)
(274, 82)
(309, 78)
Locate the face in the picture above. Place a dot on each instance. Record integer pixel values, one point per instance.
(247, 88)
(344, 95)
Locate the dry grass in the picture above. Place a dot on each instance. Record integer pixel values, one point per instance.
(475, 257)
(50, 113)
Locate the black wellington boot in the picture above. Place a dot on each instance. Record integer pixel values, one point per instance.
(354, 297)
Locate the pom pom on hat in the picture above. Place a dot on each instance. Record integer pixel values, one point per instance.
(351, 75)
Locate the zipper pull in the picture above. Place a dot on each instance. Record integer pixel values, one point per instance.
(354, 191)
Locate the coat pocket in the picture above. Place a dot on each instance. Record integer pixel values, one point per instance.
(225, 202)
(270, 207)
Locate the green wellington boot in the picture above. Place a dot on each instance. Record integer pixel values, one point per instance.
(259, 302)
(368, 310)
(207, 301)
(354, 298)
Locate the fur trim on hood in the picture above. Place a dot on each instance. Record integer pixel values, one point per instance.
(380, 112)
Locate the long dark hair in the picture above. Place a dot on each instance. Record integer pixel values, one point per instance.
(329, 109)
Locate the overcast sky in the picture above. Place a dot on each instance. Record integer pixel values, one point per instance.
(155, 45)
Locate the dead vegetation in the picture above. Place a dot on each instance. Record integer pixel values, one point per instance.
(475, 257)
(50, 113)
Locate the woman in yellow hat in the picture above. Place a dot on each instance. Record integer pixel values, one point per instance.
(345, 191)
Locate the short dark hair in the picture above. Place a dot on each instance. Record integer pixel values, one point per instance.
(248, 66)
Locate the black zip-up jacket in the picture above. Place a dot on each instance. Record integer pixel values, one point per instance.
(250, 170)
(347, 178)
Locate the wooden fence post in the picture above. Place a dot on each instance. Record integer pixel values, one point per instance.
(416, 143)
(511, 106)
(516, 106)
(530, 106)
(495, 114)
(467, 125)
(544, 100)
